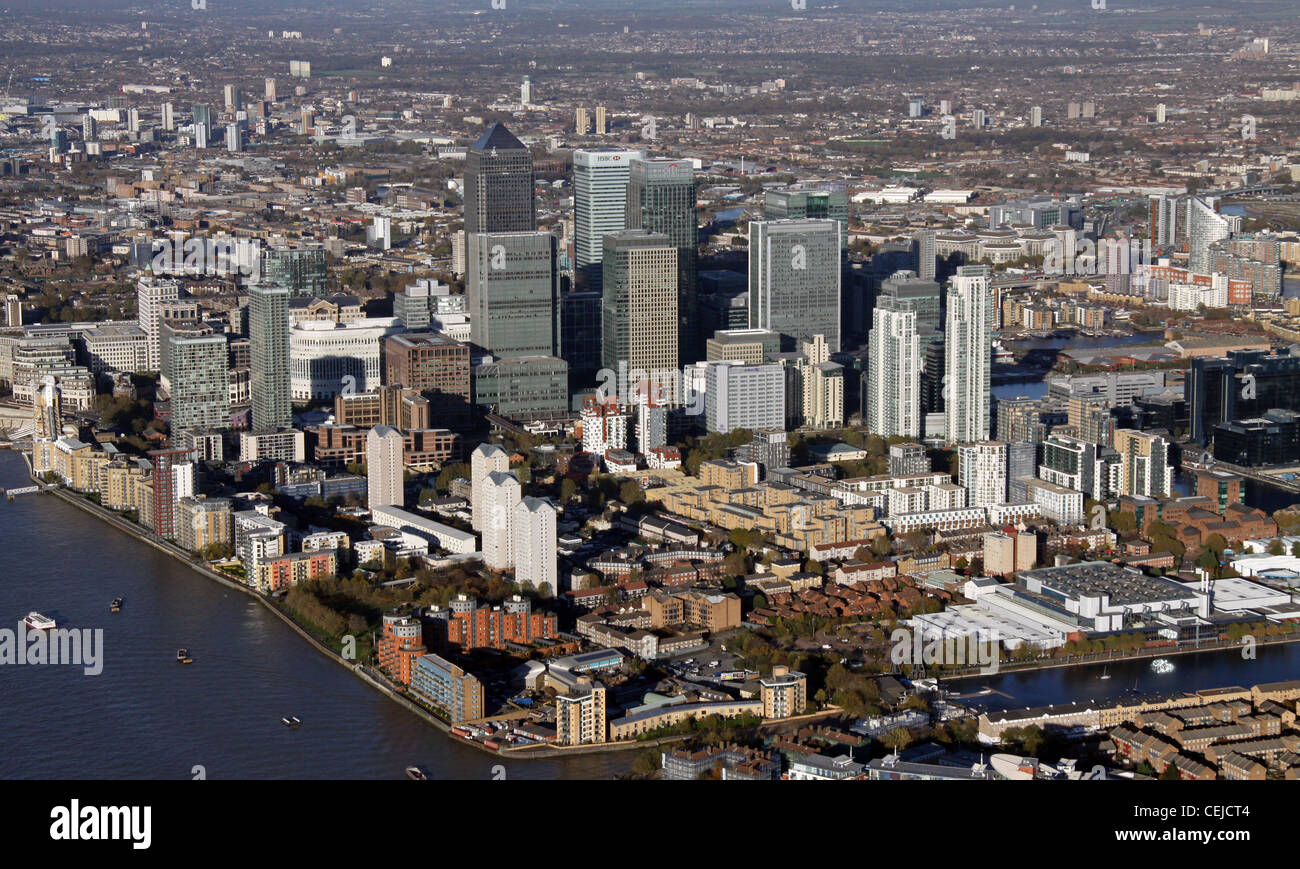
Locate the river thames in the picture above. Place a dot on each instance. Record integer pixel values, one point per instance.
(147, 716)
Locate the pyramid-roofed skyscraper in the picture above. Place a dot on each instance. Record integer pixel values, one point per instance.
(499, 184)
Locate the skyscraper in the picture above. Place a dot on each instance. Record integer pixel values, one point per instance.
(499, 184)
(168, 117)
(600, 180)
(1166, 228)
(166, 492)
(794, 278)
(923, 253)
(581, 325)
(1020, 420)
(661, 198)
(639, 322)
(150, 295)
(384, 467)
(485, 460)
(437, 367)
(982, 470)
(512, 293)
(534, 544)
(968, 356)
(920, 294)
(1204, 227)
(202, 115)
(500, 497)
(892, 395)
(268, 332)
(819, 386)
(13, 310)
(801, 202)
(195, 367)
(744, 396)
(304, 271)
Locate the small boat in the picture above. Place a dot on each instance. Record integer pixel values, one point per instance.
(183, 656)
(1162, 666)
(1104, 675)
(290, 721)
(38, 622)
(416, 774)
(116, 605)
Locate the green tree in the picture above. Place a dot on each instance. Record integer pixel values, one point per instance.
(1121, 521)
(647, 762)
(1208, 560)
(631, 493)
(450, 472)
(897, 739)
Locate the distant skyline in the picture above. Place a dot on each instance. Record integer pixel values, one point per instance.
(316, 14)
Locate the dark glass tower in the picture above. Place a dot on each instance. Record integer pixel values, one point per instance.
(268, 333)
(512, 289)
(499, 184)
(661, 198)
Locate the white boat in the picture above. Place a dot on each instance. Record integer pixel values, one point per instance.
(1162, 666)
(37, 622)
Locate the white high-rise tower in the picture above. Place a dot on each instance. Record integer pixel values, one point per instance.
(486, 459)
(968, 356)
(384, 467)
(600, 180)
(534, 544)
(893, 390)
(500, 498)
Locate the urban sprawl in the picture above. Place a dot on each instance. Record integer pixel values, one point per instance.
(723, 385)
